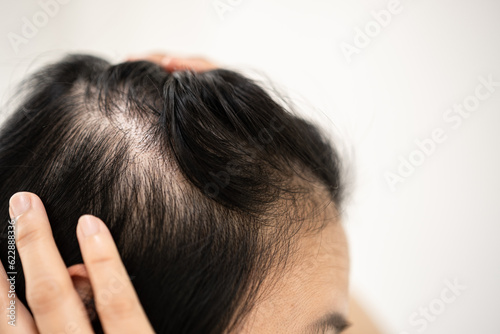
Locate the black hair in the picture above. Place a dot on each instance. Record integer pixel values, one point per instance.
(200, 177)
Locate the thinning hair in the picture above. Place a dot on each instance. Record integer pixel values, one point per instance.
(202, 179)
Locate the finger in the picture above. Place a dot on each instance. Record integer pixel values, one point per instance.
(183, 64)
(17, 318)
(51, 296)
(171, 63)
(116, 301)
(152, 57)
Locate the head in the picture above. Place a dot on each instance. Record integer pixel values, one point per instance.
(225, 205)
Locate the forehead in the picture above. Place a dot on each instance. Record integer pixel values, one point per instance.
(315, 283)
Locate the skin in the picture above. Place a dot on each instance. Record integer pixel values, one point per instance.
(315, 284)
(360, 320)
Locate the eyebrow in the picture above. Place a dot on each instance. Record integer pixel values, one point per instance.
(334, 321)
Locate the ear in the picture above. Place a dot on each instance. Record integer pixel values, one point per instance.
(81, 282)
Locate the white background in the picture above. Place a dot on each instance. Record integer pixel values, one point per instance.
(442, 222)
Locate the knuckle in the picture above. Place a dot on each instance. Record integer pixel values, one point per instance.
(101, 259)
(27, 233)
(115, 306)
(46, 293)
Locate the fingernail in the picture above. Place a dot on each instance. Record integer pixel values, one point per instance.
(19, 203)
(90, 226)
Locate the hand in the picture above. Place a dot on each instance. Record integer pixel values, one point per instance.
(171, 64)
(50, 293)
